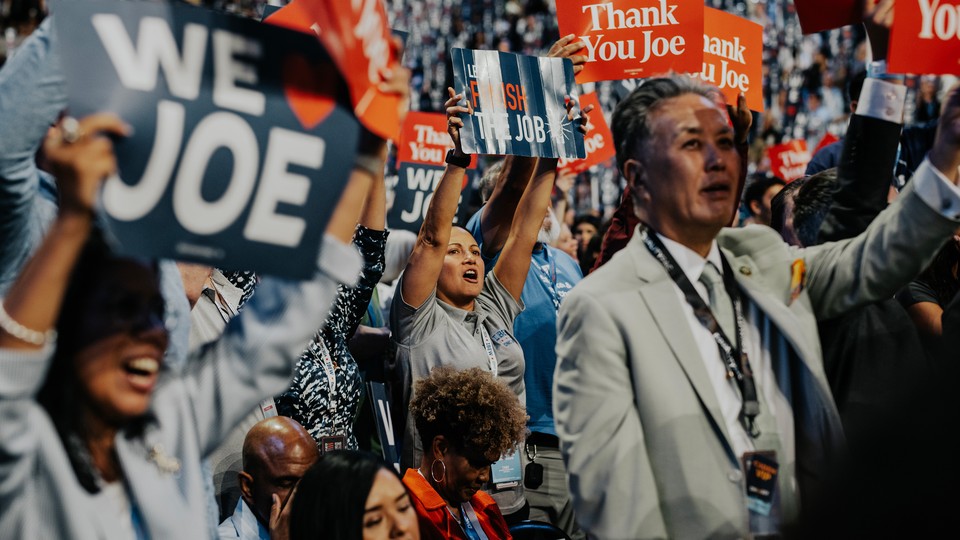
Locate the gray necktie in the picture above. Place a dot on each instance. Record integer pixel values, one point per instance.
(720, 303)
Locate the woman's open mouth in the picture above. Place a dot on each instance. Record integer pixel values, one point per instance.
(142, 373)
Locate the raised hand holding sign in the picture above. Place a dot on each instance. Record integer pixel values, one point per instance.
(239, 150)
(626, 39)
(518, 104)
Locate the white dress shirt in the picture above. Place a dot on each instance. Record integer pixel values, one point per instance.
(726, 390)
(879, 99)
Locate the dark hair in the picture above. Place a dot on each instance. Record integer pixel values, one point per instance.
(586, 218)
(489, 179)
(332, 495)
(60, 394)
(472, 409)
(629, 123)
(758, 185)
(812, 197)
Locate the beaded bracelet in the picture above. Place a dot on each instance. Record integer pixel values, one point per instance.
(23, 333)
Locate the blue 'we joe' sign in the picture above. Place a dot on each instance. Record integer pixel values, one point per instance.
(242, 139)
(518, 104)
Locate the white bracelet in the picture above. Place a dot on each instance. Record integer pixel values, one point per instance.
(21, 332)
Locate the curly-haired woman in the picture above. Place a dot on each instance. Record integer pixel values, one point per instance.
(466, 421)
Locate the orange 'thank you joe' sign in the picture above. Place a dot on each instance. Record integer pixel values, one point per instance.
(733, 57)
(425, 140)
(924, 38)
(598, 142)
(789, 160)
(819, 15)
(630, 39)
(357, 37)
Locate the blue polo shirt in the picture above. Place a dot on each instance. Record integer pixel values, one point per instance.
(551, 276)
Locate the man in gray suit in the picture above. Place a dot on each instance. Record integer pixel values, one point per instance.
(690, 395)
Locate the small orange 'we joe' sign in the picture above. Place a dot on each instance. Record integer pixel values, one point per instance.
(926, 37)
(630, 39)
(733, 57)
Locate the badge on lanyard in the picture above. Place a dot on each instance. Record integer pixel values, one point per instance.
(328, 444)
(505, 473)
(760, 472)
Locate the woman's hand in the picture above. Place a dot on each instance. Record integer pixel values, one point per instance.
(566, 47)
(81, 156)
(583, 121)
(454, 122)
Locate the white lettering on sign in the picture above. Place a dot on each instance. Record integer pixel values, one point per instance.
(731, 50)
(792, 157)
(631, 18)
(729, 77)
(216, 131)
(284, 148)
(369, 30)
(493, 125)
(156, 49)
(530, 129)
(430, 144)
(431, 154)
(228, 71)
(939, 20)
(423, 182)
(235, 76)
(130, 203)
(222, 130)
(427, 135)
(423, 179)
(625, 50)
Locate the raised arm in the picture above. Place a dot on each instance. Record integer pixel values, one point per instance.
(34, 299)
(870, 148)
(846, 274)
(423, 268)
(371, 239)
(32, 94)
(514, 262)
(496, 218)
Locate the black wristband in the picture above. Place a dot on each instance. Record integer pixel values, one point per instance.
(463, 161)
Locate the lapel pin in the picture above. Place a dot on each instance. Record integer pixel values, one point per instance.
(745, 270)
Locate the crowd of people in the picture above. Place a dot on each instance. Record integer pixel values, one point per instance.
(679, 344)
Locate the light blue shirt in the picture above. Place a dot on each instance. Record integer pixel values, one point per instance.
(243, 525)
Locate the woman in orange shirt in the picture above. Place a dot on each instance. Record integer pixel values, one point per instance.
(466, 421)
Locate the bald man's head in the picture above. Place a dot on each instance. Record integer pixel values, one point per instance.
(276, 454)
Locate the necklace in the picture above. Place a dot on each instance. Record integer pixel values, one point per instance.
(450, 508)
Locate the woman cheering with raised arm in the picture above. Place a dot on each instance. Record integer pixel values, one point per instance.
(447, 313)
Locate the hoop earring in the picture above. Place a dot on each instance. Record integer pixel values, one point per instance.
(442, 475)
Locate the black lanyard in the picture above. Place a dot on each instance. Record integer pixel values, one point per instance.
(738, 370)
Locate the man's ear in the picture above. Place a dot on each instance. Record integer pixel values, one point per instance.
(635, 173)
(246, 487)
(755, 208)
(631, 171)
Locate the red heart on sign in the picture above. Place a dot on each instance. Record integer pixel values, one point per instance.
(309, 93)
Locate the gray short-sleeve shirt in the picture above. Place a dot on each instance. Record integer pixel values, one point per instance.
(438, 334)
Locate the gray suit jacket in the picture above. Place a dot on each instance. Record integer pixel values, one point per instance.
(641, 431)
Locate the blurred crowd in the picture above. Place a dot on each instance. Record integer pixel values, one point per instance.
(523, 379)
